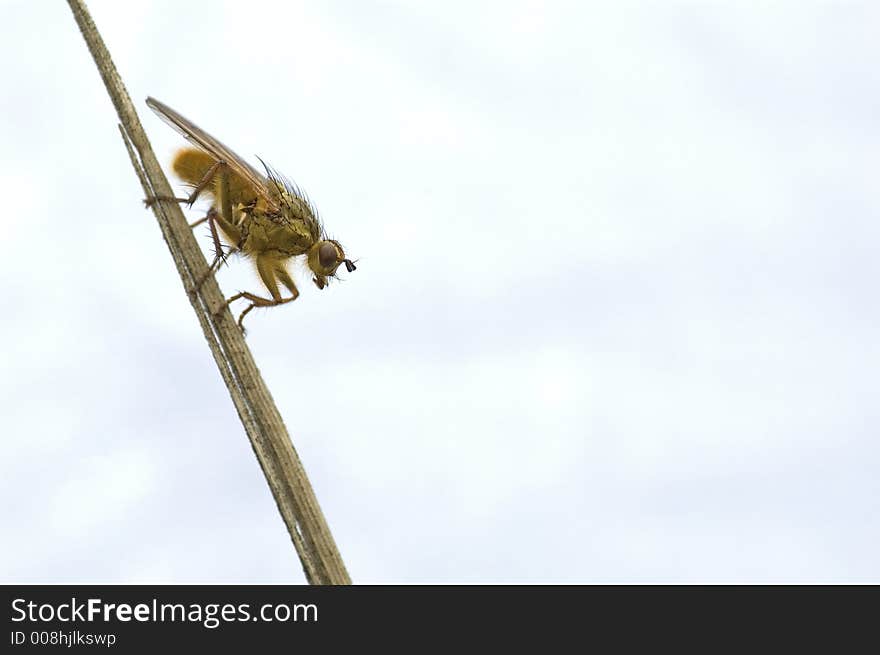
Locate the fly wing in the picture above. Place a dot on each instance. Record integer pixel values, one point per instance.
(197, 136)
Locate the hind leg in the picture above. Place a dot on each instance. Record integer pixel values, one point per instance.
(224, 218)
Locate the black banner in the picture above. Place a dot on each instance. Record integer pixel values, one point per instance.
(136, 618)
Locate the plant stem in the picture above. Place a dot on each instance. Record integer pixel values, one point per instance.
(287, 479)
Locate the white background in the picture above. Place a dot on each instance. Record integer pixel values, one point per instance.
(614, 318)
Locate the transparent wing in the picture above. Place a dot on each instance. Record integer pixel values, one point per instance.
(198, 137)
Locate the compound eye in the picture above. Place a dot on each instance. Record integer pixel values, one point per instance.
(327, 255)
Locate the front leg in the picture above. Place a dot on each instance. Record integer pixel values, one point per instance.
(256, 301)
(271, 270)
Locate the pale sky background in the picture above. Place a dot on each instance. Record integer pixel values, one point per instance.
(614, 318)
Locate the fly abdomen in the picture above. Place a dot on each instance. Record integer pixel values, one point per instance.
(191, 165)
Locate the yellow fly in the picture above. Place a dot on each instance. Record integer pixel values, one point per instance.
(264, 216)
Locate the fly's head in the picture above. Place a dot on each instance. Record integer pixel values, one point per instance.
(325, 257)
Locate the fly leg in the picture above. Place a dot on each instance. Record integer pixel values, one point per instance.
(220, 170)
(207, 178)
(224, 218)
(195, 224)
(256, 301)
(271, 271)
(219, 255)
